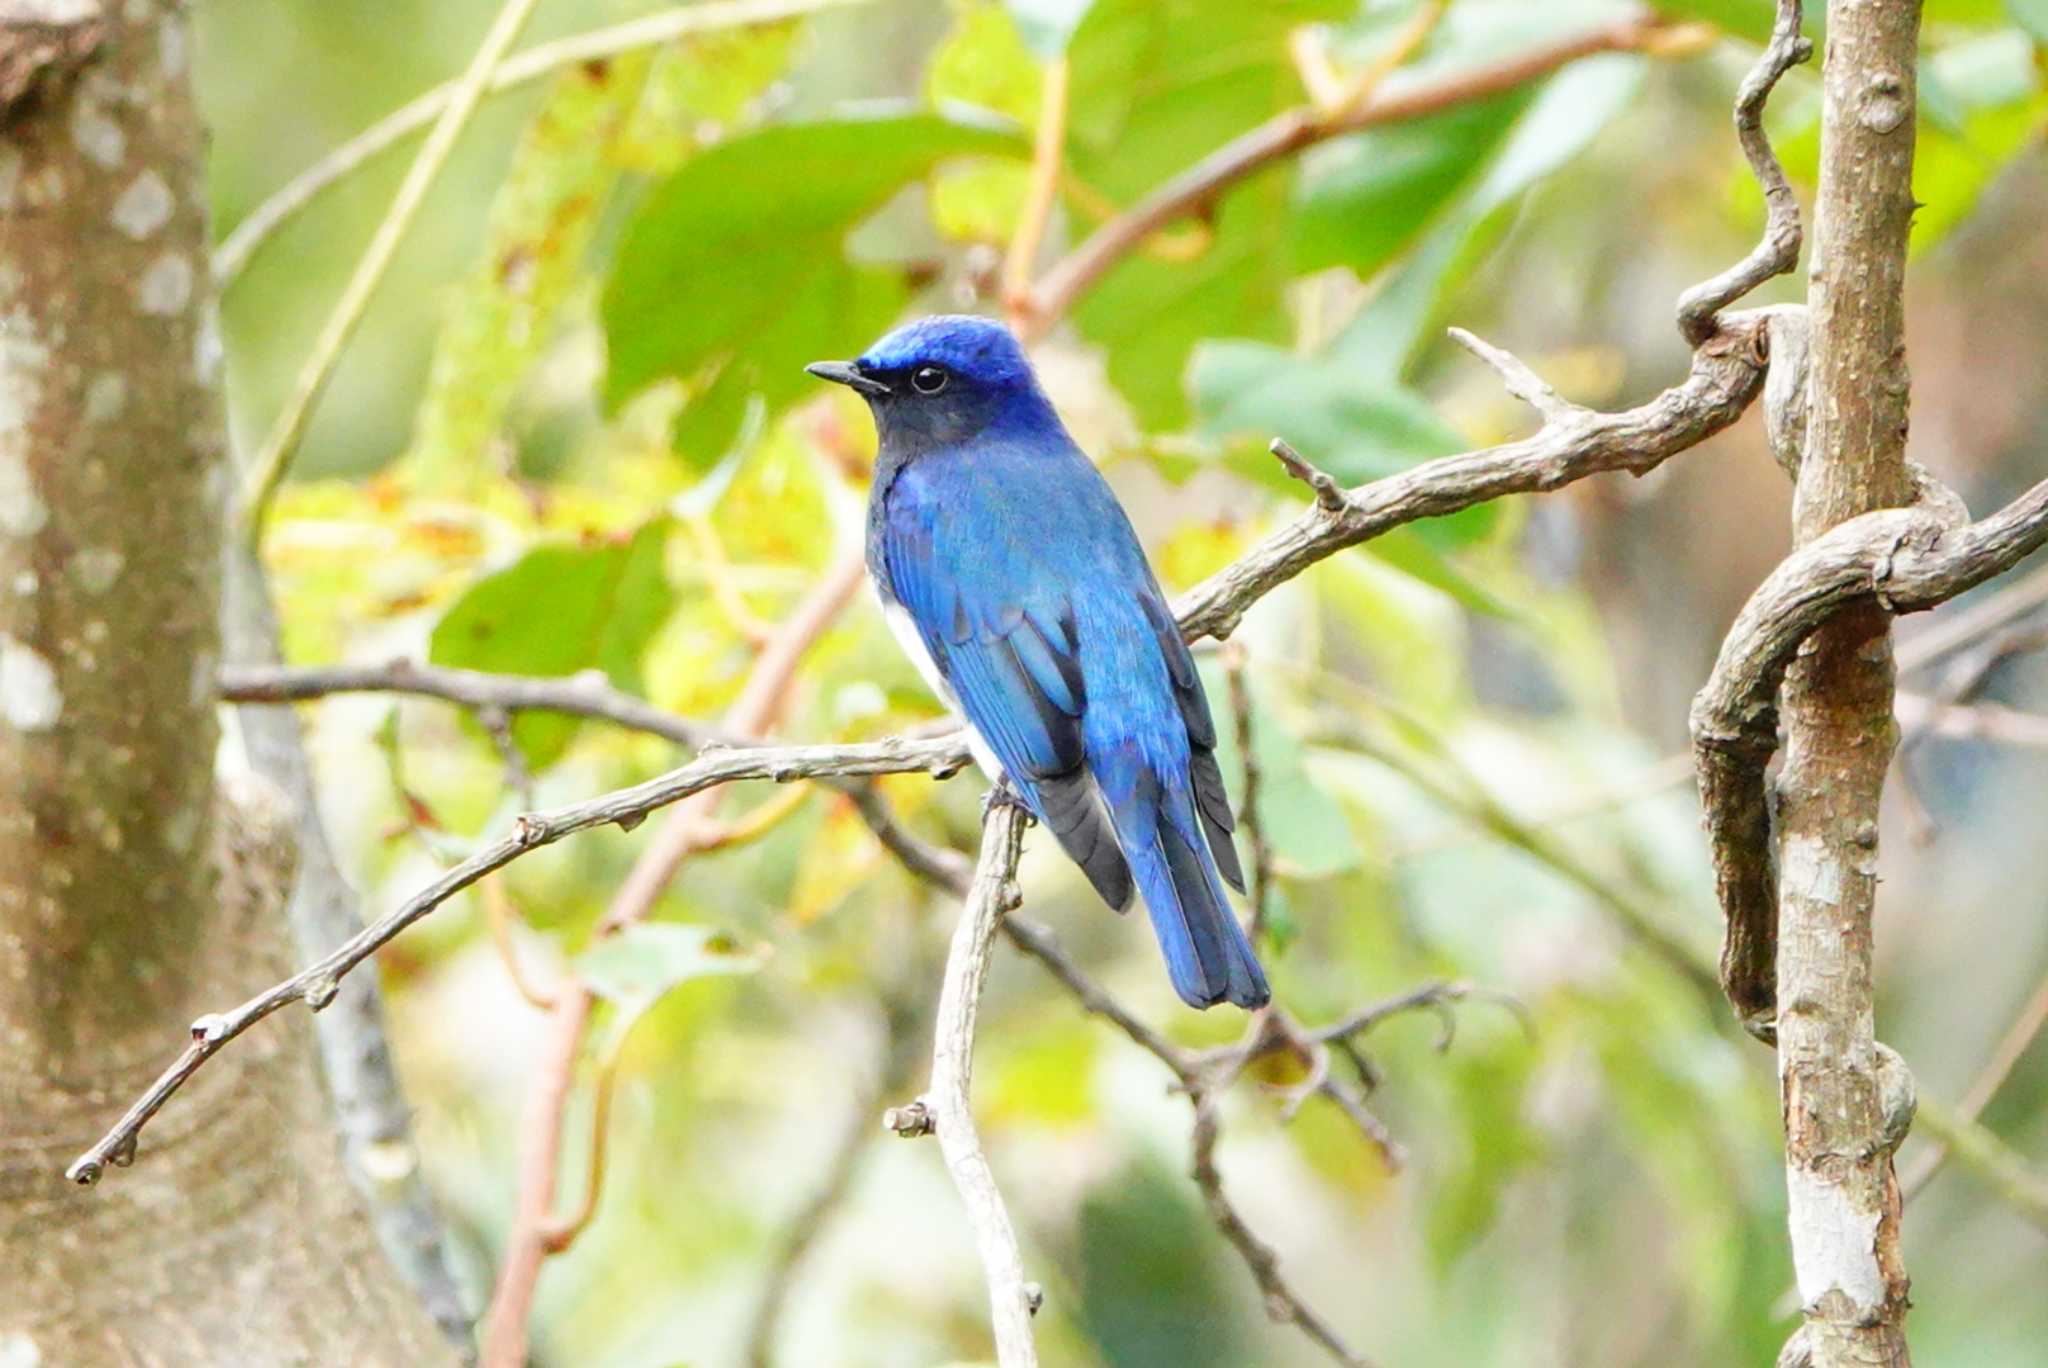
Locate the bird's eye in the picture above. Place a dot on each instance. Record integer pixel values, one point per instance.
(929, 379)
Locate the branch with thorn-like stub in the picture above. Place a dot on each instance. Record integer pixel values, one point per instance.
(1201, 1075)
(1573, 443)
(625, 808)
(1522, 382)
(945, 1110)
(1329, 494)
(1727, 373)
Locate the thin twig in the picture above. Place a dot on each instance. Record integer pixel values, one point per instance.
(627, 808)
(1520, 380)
(274, 458)
(1778, 252)
(560, 1233)
(1329, 494)
(1407, 41)
(1923, 717)
(540, 1141)
(1048, 158)
(992, 895)
(1259, 878)
(693, 827)
(1974, 622)
(1282, 1303)
(1996, 1164)
(652, 30)
(588, 694)
(2005, 1056)
(498, 911)
(1286, 134)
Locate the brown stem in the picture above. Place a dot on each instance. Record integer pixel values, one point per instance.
(1289, 132)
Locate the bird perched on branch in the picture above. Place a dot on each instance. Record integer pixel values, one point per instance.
(1012, 577)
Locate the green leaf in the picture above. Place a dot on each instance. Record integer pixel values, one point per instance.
(1355, 427)
(1149, 314)
(1562, 119)
(701, 84)
(559, 610)
(734, 273)
(540, 223)
(1158, 84)
(1750, 19)
(1307, 829)
(1360, 200)
(2031, 15)
(1148, 1294)
(983, 61)
(645, 960)
(1048, 25)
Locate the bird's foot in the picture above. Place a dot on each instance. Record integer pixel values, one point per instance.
(1003, 794)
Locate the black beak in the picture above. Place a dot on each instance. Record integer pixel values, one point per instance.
(848, 374)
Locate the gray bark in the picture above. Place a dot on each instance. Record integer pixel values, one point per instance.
(1837, 707)
(134, 893)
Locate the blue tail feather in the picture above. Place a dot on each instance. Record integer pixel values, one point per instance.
(1208, 956)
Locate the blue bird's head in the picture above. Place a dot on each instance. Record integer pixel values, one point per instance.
(942, 380)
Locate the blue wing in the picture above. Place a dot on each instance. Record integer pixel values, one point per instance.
(1009, 651)
(1034, 602)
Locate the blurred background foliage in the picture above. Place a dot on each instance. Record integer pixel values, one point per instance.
(574, 435)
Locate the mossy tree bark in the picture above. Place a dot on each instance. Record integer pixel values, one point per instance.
(134, 892)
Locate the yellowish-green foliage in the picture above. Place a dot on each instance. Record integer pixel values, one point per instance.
(615, 463)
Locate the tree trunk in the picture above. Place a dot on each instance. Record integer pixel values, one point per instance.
(134, 895)
(1844, 1095)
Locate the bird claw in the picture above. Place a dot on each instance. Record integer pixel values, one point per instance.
(1002, 794)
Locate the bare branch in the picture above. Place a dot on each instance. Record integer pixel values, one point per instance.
(2005, 1056)
(625, 808)
(1259, 877)
(650, 30)
(1778, 252)
(1282, 1304)
(1904, 560)
(1048, 158)
(991, 896)
(1289, 132)
(540, 1142)
(1329, 494)
(1199, 1075)
(582, 695)
(268, 467)
(1522, 382)
(1922, 717)
(1726, 375)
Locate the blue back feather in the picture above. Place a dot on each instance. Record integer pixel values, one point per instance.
(1030, 592)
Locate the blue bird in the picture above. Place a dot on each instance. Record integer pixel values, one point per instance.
(1012, 577)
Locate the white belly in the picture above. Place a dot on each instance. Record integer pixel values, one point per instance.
(907, 635)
